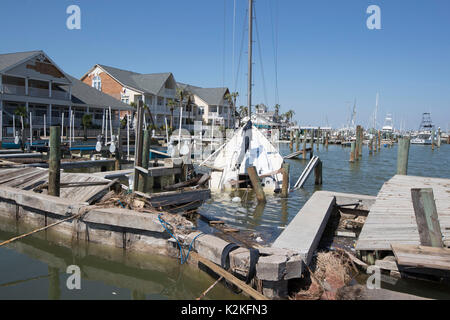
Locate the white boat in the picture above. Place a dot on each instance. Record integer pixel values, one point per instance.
(388, 126)
(425, 131)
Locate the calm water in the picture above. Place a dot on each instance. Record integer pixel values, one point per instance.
(363, 177)
(35, 268)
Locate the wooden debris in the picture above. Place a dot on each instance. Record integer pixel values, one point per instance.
(422, 257)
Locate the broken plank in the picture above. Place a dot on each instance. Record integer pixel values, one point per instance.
(421, 256)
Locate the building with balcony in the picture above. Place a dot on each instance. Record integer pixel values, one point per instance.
(32, 80)
(156, 90)
(213, 105)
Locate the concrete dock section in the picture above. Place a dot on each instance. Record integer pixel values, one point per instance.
(304, 231)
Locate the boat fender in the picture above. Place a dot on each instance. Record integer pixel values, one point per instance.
(225, 258)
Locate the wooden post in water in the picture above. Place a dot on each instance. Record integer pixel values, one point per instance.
(427, 217)
(371, 146)
(402, 156)
(438, 138)
(352, 151)
(432, 139)
(312, 140)
(138, 144)
(375, 146)
(361, 137)
(358, 137)
(304, 144)
(54, 161)
(285, 184)
(318, 173)
(326, 140)
(379, 141)
(297, 139)
(256, 184)
(142, 185)
(118, 153)
(291, 140)
(318, 139)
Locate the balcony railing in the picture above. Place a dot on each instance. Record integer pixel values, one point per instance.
(61, 95)
(34, 92)
(13, 89)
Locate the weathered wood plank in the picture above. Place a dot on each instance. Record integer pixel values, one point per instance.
(422, 256)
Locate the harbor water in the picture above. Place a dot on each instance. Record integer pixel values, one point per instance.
(34, 268)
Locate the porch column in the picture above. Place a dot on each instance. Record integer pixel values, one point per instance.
(1, 118)
(50, 84)
(26, 88)
(49, 115)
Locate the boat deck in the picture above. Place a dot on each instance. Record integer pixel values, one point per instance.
(392, 219)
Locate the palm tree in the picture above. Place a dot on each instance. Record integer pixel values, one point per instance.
(87, 123)
(171, 104)
(289, 115)
(181, 94)
(231, 98)
(243, 112)
(277, 111)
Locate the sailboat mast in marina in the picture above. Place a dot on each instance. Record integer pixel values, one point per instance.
(248, 147)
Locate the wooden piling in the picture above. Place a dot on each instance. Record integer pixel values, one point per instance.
(318, 173)
(438, 138)
(118, 153)
(361, 138)
(427, 217)
(379, 141)
(358, 137)
(291, 140)
(285, 184)
(138, 143)
(432, 139)
(371, 146)
(297, 139)
(352, 151)
(142, 184)
(304, 144)
(402, 156)
(256, 184)
(318, 139)
(54, 162)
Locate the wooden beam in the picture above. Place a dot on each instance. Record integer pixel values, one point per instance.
(228, 276)
(422, 256)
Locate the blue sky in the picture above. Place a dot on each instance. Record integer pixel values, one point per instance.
(326, 55)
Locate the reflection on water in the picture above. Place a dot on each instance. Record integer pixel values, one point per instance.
(35, 268)
(363, 177)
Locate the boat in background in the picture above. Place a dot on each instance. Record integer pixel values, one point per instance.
(425, 131)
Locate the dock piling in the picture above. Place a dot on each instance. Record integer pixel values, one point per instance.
(318, 173)
(142, 183)
(352, 151)
(285, 184)
(427, 217)
(54, 163)
(402, 156)
(256, 184)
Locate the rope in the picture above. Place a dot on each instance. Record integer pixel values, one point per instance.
(166, 226)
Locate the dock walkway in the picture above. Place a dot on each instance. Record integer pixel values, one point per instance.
(392, 219)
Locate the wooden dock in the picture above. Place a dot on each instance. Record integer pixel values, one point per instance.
(391, 219)
(31, 178)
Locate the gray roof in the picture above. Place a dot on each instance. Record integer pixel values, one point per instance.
(10, 59)
(149, 83)
(83, 94)
(212, 96)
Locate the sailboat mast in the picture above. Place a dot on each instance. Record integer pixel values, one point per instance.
(250, 46)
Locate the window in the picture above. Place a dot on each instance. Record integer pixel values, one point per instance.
(126, 100)
(97, 83)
